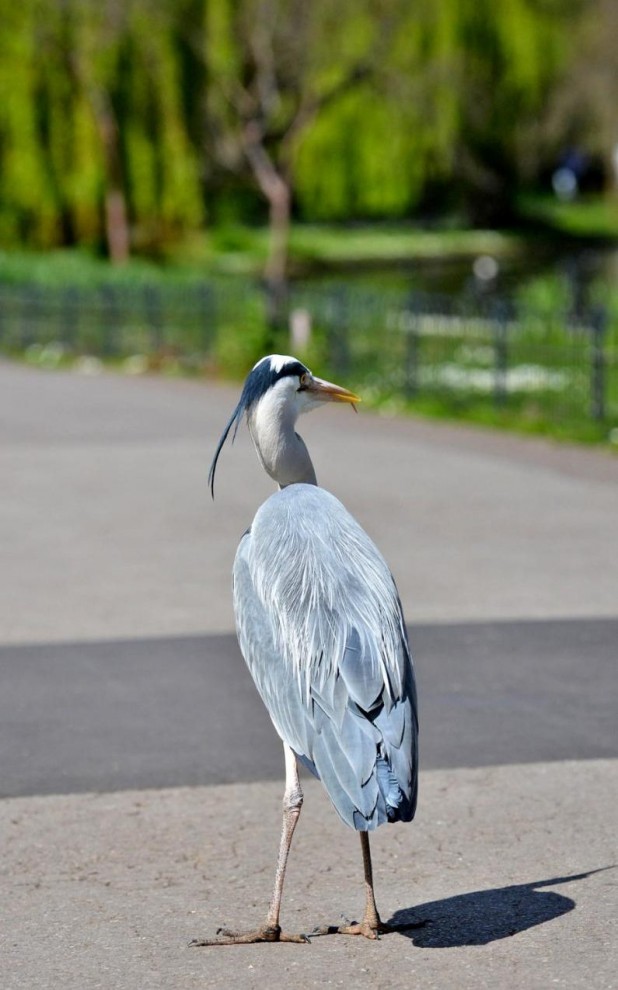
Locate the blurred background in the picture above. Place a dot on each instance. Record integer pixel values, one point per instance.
(420, 199)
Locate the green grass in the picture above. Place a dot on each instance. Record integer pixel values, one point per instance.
(384, 244)
(82, 269)
(239, 249)
(529, 418)
(587, 217)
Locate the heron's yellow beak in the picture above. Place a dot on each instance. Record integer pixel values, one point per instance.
(327, 392)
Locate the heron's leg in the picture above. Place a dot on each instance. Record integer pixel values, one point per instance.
(292, 803)
(271, 931)
(371, 925)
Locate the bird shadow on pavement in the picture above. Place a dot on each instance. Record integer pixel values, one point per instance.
(484, 916)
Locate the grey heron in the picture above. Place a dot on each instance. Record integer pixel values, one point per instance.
(321, 628)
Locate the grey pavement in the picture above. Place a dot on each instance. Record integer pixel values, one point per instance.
(119, 673)
(107, 890)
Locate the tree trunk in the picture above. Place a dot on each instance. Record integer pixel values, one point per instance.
(276, 190)
(278, 247)
(116, 226)
(117, 233)
(116, 216)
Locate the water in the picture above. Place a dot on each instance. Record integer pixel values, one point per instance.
(455, 275)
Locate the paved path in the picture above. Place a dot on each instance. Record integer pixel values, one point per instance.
(118, 669)
(106, 890)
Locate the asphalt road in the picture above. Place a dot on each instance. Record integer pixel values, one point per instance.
(184, 711)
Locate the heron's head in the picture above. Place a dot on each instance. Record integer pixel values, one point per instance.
(279, 386)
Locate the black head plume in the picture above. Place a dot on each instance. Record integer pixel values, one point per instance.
(236, 417)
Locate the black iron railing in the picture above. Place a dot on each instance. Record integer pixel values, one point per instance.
(395, 344)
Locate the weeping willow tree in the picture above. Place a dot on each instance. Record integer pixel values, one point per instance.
(125, 66)
(375, 152)
(93, 141)
(455, 105)
(119, 118)
(27, 209)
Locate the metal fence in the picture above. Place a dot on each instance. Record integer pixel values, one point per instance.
(472, 349)
(107, 321)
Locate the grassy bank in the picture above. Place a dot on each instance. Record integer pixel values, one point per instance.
(235, 249)
(587, 217)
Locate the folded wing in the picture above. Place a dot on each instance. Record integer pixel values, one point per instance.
(321, 629)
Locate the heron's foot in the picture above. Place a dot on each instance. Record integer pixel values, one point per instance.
(369, 928)
(267, 933)
(365, 928)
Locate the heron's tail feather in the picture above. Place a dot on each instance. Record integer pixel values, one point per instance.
(308, 764)
(389, 789)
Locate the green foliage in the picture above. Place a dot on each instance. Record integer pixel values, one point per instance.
(590, 216)
(372, 106)
(338, 173)
(71, 73)
(457, 99)
(26, 204)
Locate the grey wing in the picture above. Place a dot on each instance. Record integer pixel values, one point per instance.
(366, 742)
(277, 689)
(352, 725)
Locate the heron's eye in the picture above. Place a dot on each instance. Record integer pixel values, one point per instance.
(304, 381)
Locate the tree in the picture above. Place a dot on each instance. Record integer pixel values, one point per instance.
(274, 67)
(457, 103)
(97, 36)
(359, 108)
(94, 147)
(119, 119)
(126, 63)
(26, 198)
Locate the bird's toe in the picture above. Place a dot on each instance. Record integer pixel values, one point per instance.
(363, 928)
(267, 933)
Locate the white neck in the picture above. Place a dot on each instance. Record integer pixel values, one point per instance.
(281, 451)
